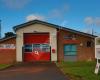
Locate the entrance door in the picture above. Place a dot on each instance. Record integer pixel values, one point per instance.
(70, 51)
(36, 47)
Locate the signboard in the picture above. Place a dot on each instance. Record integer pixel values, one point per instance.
(7, 46)
(97, 54)
(97, 47)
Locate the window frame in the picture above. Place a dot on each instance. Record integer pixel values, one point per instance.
(70, 51)
(89, 44)
(40, 47)
(28, 51)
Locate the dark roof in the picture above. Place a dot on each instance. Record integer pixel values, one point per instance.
(34, 22)
(6, 38)
(79, 32)
(51, 25)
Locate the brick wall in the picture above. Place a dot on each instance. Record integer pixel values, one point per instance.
(8, 56)
(84, 53)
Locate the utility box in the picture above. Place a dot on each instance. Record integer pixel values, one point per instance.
(97, 47)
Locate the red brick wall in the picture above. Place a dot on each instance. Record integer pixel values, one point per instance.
(8, 56)
(84, 53)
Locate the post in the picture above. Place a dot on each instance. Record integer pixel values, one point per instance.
(92, 31)
(97, 67)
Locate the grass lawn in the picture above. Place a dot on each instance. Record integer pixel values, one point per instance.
(79, 70)
(3, 66)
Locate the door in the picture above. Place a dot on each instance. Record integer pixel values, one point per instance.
(36, 47)
(70, 52)
(37, 52)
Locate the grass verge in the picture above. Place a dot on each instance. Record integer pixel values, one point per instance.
(4, 66)
(79, 70)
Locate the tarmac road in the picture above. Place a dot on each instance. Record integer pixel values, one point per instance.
(33, 71)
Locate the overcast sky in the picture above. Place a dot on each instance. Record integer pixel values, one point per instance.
(82, 15)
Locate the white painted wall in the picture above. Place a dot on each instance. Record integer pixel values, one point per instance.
(31, 29)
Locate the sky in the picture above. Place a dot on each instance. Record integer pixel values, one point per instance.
(81, 15)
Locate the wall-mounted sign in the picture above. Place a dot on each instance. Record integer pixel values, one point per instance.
(7, 46)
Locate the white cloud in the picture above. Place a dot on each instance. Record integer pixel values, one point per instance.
(59, 12)
(97, 21)
(64, 23)
(88, 31)
(15, 4)
(34, 17)
(92, 21)
(55, 13)
(91, 24)
(89, 20)
(65, 8)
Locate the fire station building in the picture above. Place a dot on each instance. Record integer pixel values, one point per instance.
(42, 41)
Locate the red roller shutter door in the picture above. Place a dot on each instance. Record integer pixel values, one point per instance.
(36, 47)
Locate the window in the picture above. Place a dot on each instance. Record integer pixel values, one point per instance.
(89, 43)
(37, 47)
(28, 48)
(70, 49)
(45, 48)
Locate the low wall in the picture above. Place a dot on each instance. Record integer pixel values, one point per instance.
(7, 56)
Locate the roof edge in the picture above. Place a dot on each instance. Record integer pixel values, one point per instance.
(15, 28)
(33, 22)
(6, 38)
(79, 32)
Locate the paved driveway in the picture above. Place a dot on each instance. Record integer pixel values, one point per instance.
(33, 71)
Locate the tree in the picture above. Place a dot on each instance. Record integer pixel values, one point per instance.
(9, 34)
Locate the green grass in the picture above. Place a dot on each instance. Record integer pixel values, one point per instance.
(3, 66)
(79, 70)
